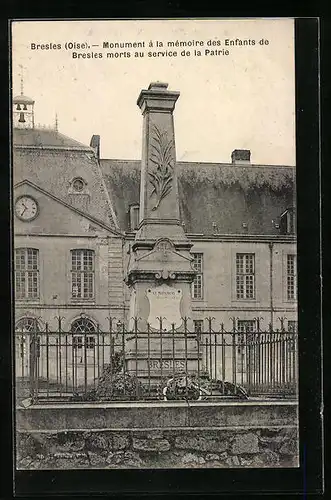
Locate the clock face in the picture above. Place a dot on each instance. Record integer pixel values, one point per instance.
(26, 208)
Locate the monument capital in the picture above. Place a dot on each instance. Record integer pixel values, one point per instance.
(157, 98)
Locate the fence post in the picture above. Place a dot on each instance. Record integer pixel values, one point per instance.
(173, 349)
(136, 353)
(149, 357)
(47, 356)
(281, 352)
(234, 352)
(33, 362)
(223, 355)
(161, 344)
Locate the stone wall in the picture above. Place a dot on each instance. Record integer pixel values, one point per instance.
(237, 443)
(158, 448)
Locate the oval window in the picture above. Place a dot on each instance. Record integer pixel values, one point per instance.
(78, 185)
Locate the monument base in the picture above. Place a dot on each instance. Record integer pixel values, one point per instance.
(151, 367)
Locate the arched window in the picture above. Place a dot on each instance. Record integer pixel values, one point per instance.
(21, 119)
(25, 107)
(82, 328)
(26, 327)
(18, 107)
(26, 273)
(82, 274)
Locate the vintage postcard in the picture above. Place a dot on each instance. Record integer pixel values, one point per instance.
(155, 257)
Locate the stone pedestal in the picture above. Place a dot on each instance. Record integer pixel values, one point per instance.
(160, 273)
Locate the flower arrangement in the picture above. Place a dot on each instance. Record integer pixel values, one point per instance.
(118, 386)
(196, 387)
(113, 384)
(181, 387)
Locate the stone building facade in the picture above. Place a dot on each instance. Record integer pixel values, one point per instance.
(76, 216)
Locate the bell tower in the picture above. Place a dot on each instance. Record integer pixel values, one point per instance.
(23, 109)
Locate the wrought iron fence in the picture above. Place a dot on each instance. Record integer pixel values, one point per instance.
(118, 364)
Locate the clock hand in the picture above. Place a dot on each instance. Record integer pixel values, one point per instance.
(23, 211)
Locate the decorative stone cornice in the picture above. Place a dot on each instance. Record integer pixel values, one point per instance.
(157, 276)
(157, 98)
(180, 245)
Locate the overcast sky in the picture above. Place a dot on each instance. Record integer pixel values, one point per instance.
(241, 101)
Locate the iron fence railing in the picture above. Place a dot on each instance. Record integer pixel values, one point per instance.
(155, 364)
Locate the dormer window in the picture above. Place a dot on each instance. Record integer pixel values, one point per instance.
(78, 192)
(134, 217)
(286, 225)
(78, 185)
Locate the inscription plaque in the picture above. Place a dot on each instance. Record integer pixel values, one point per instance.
(164, 301)
(167, 364)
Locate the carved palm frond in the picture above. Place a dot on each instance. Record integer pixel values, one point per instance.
(162, 157)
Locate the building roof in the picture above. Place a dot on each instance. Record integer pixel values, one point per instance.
(214, 197)
(51, 161)
(23, 99)
(44, 137)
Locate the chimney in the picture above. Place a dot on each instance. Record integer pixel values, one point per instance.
(241, 156)
(95, 144)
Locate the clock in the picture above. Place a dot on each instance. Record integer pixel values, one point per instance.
(26, 208)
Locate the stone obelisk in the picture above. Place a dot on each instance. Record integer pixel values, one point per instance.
(160, 269)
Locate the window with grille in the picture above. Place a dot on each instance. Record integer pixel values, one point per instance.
(245, 328)
(82, 274)
(79, 341)
(291, 341)
(26, 327)
(197, 285)
(292, 326)
(198, 325)
(26, 273)
(82, 328)
(291, 277)
(245, 276)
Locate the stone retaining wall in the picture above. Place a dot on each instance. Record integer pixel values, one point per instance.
(235, 444)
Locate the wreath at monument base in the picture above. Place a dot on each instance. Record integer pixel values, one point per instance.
(192, 387)
(181, 387)
(118, 386)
